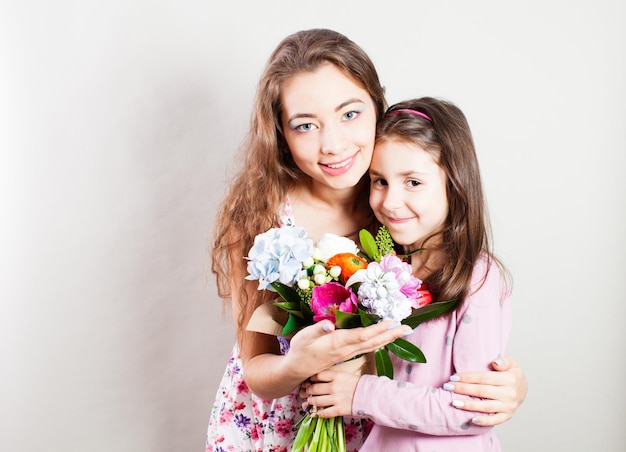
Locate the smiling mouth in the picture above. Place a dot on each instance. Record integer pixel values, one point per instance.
(397, 220)
(342, 164)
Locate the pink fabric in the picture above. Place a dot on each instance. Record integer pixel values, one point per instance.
(413, 412)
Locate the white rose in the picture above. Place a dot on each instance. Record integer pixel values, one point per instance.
(331, 244)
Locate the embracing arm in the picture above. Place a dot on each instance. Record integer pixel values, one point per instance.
(477, 332)
(497, 393)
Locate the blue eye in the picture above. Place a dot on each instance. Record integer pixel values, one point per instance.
(351, 115)
(304, 127)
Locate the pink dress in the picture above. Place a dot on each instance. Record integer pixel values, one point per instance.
(413, 412)
(242, 422)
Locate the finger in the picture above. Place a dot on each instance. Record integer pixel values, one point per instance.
(375, 336)
(316, 330)
(478, 390)
(487, 421)
(504, 363)
(484, 378)
(302, 394)
(323, 377)
(479, 406)
(327, 412)
(320, 401)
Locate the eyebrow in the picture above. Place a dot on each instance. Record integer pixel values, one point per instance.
(337, 108)
(405, 173)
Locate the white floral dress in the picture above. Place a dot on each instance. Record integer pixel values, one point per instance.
(242, 422)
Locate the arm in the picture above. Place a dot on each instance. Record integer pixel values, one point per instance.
(313, 349)
(502, 392)
(476, 332)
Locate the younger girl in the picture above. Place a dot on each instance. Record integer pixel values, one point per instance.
(426, 188)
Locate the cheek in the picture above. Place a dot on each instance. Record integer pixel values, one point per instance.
(299, 146)
(375, 200)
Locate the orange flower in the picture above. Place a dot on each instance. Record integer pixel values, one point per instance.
(348, 262)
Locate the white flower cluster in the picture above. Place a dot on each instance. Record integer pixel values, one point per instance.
(387, 289)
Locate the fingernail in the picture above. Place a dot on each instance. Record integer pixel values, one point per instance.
(448, 386)
(326, 327)
(407, 332)
(455, 378)
(475, 420)
(458, 403)
(393, 325)
(498, 362)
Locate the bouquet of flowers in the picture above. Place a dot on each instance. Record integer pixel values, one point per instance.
(334, 280)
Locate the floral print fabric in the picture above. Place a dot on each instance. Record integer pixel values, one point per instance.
(243, 422)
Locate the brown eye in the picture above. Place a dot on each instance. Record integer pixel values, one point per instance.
(382, 182)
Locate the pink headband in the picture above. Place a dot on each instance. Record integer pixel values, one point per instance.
(412, 112)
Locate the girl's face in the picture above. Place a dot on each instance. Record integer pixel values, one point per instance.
(408, 191)
(329, 123)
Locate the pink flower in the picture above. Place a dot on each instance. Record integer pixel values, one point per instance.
(226, 417)
(242, 388)
(283, 427)
(329, 298)
(239, 406)
(256, 432)
(351, 431)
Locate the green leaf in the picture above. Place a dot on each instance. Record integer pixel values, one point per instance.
(367, 319)
(428, 312)
(383, 363)
(347, 320)
(407, 351)
(294, 323)
(307, 312)
(369, 244)
(290, 307)
(287, 293)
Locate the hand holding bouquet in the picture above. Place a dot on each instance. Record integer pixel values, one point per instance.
(333, 280)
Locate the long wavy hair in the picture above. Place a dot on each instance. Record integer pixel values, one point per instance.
(268, 172)
(467, 232)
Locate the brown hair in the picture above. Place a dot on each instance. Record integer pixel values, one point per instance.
(268, 171)
(446, 136)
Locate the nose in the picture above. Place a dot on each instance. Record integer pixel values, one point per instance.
(332, 140)
(392, 199)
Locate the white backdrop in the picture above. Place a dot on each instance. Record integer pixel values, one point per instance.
(118, 122)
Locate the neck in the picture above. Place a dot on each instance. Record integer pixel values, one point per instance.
(321, 209)
(346, 200)
(424, 262)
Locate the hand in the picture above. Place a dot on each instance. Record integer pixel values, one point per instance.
(319, 346)
(329, 394)
(503, 391)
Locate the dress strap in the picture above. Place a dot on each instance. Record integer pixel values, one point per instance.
(286, 215)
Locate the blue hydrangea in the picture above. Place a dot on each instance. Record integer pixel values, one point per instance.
(277, 255)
